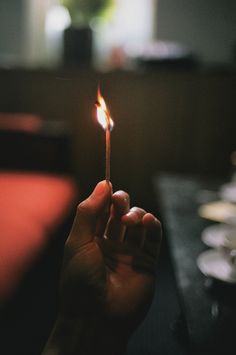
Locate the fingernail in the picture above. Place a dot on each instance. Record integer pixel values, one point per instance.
(133, 216)
(124, 195)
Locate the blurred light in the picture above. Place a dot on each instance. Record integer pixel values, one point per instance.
(133, 20)
(132, 23)
(156, 50)
(57, 19)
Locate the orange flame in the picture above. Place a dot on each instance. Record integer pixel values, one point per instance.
(103, 114)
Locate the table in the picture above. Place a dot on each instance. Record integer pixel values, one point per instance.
(209, 306)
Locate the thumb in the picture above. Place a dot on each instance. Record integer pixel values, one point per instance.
(89, 212)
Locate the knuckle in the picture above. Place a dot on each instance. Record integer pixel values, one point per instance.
(120, 193)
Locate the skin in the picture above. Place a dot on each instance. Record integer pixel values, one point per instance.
(108, 275)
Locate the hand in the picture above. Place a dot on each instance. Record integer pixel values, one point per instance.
(109, 263)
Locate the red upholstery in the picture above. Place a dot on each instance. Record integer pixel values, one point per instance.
(31, 205)
(23, 122)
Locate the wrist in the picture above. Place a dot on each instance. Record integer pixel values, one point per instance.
(87, 336)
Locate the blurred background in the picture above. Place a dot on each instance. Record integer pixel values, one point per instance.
(32, 31)
(166, 69)
(167, 72)
(165, 63)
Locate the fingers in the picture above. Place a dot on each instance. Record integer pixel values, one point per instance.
(89, 213)
(121, 203)
(120, 206)
(134, 216)
(135, 231)
(144, 231)
(153, 235)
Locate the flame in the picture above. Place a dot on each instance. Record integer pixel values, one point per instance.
(103, 114)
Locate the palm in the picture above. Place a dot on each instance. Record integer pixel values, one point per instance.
(111, 277)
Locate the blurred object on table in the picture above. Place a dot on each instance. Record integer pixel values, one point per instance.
(157, 54)
(214, 235)
(228, 192)
(208, 303)
(215, 264)
(219, 211)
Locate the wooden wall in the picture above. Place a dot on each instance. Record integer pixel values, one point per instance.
(181, 121)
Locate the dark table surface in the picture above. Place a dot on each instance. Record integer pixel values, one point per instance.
(209, 305)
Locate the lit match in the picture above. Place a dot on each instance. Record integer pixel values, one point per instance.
(105, 120)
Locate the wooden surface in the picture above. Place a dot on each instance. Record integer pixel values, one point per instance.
(208, 304)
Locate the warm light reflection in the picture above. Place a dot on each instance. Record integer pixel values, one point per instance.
(103, 114)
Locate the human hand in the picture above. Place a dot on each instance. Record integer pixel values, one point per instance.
(108, 274)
